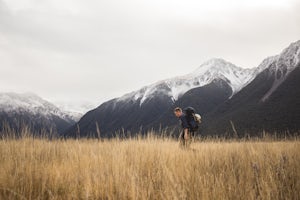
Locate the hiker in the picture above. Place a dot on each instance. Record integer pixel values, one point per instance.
(190, 122)
(184, 136)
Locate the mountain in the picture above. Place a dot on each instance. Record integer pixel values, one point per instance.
(262, 98)
(271, 102)
(152, 106)
(211, 70)
(19, 110)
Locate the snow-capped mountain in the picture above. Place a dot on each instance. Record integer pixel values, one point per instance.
(214, 82)
(270, 102)
(284, 63)
(219, 90)
(29, 110)
(281, 66)
(209, 71)
(218, 68)
(33, 104)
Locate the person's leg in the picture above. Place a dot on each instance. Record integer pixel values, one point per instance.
(186, 139)
(192, 138)
(181, 139)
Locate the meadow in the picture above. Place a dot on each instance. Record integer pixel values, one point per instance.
(148, 168)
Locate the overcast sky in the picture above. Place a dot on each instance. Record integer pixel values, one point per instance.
(76, 51)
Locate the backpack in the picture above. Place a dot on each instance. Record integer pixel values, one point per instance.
(193, 119)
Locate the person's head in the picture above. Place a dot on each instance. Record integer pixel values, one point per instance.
(178, 112)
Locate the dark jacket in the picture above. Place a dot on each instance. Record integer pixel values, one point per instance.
(183, 121)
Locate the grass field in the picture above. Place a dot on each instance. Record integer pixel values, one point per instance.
(148, 169)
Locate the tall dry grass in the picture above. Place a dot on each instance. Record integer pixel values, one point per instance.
(148, 169)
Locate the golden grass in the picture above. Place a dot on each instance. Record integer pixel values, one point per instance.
(148, 169)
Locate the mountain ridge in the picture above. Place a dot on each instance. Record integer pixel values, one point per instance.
(217, 88)
(30, 102)
(261, 107)
(175, 87)
(20, 110)
(152, 105)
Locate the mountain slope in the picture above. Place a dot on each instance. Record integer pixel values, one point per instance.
(270, 102)
(263, 98)
(205, 99)
(19, 110)
(150, 107)
(209, 71)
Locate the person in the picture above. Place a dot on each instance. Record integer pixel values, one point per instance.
(184, 136)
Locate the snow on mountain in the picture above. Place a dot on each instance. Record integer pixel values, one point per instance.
(209, 71)
(284, 63)
(80, 107)
(237, 77)
(31, 103)
(289, 59)
(266, 63)
(281, 66)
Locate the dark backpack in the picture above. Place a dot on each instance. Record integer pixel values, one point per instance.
(193, 119)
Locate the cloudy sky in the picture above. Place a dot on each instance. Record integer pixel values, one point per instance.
(80, 51)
